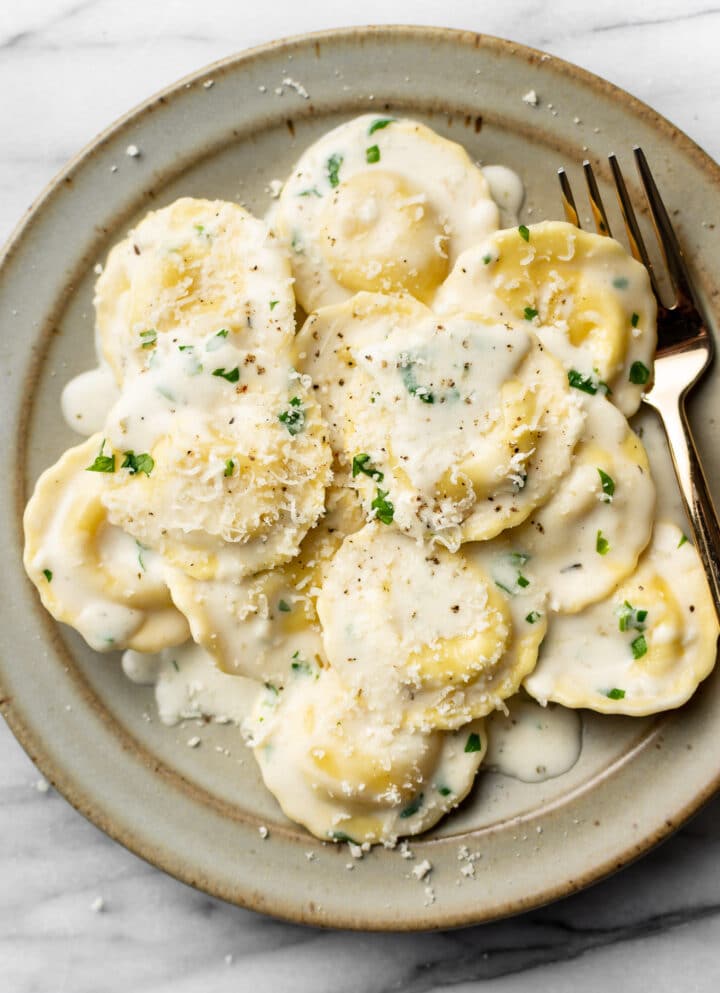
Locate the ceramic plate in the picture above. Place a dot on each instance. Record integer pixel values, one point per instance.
(226, 132)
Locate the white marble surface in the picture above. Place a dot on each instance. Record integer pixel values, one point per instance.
(67, 68)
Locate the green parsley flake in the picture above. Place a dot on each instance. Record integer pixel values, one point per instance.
(620, 283)
(148, 338)
(175, 666)
(473, 743)
(608, 486)
(341, 836)
(333, 169)
(580, 382)
(379, 124)
(487, 259)
(273, 304)
(533, 617)
(372, 155)
(138, 463)
(682, 541)
(639, 373)
(524, 232)
(630, 619)
(639, 647)
(635, 319)
(602, 545)
(217, 340)
(384, 510)
(413, 806)
(615, 694)
(530, 313)
(313, 191)
(412, 386)
(361, 464)
(102, 463)
(444, 790)
(141, 549)
(232, 375)
(48, 575)
(294, 417)
(522, 581)
(284, 606)
(229, 467)
(272, 688)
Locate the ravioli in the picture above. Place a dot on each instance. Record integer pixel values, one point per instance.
(383, 205)
(589, 536)
(465, 425)
(205, 265)
(265, 626)
(239, 458)
(344, 773)
(90, 574)
(643, 649)
(423, 635)
(588, 300)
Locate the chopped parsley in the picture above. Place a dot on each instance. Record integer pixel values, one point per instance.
(361, 464)
(635, 319)
(473, 743)
(522, 581)
(148, 338)
(620, 283)
(487, 259)
(379, 124)
(284, 606)
(217, 340)
(141, 549)
(524, 232)
(630, 619)
(682, 541)
(333, 169)
(608, 486)
(639, 646)
(301, 665)
(602, 545)
(200, 228)
(229, 467)
(412, 386)
(273, 304)
(508, 576)
(142, 462)
(372, 154)
(231, 375)
(384, 510)
(533, 617)
(444, 790)
(579, 382)
(530, 313)
(272, 689)
(48, 575)
(294, 417)
(615, 694)
(174, 664)
(312, 191)
(102, 463)
(413, 806)
(639, 373)
(341, 836)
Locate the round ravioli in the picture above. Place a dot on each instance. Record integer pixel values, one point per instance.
(89, 574)
(460, 426)
(643, 649)
(207, 265)
(221, 459)
(589, 301)
(424, 636)
(266, 626)
(382, 205)
(347, 775)
(591, 533)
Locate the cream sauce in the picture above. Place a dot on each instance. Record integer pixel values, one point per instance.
(508, 192)
(87, 399)
(533, 743)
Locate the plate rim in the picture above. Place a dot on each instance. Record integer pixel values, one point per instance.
(53, 768)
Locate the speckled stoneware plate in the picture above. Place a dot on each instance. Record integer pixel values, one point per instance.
(196, 812)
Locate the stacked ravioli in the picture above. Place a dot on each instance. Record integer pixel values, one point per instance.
(425, 501)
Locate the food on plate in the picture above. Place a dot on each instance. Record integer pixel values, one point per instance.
(204, 265)
(337, 767)
(588, 300)
(90, 574)
(465, 424)
(642, 649)
(380, 204)
(426, 507)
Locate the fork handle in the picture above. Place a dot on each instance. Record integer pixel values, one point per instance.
(695, 491)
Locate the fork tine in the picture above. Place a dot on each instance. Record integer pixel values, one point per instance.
(568, 200)
(596, 205)
(637, 244)
(666, 235)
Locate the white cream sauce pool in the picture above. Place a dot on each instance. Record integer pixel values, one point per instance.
(533, 743)
(87, 398)
(508, 192)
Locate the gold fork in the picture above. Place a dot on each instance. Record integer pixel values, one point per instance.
(684, 351)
